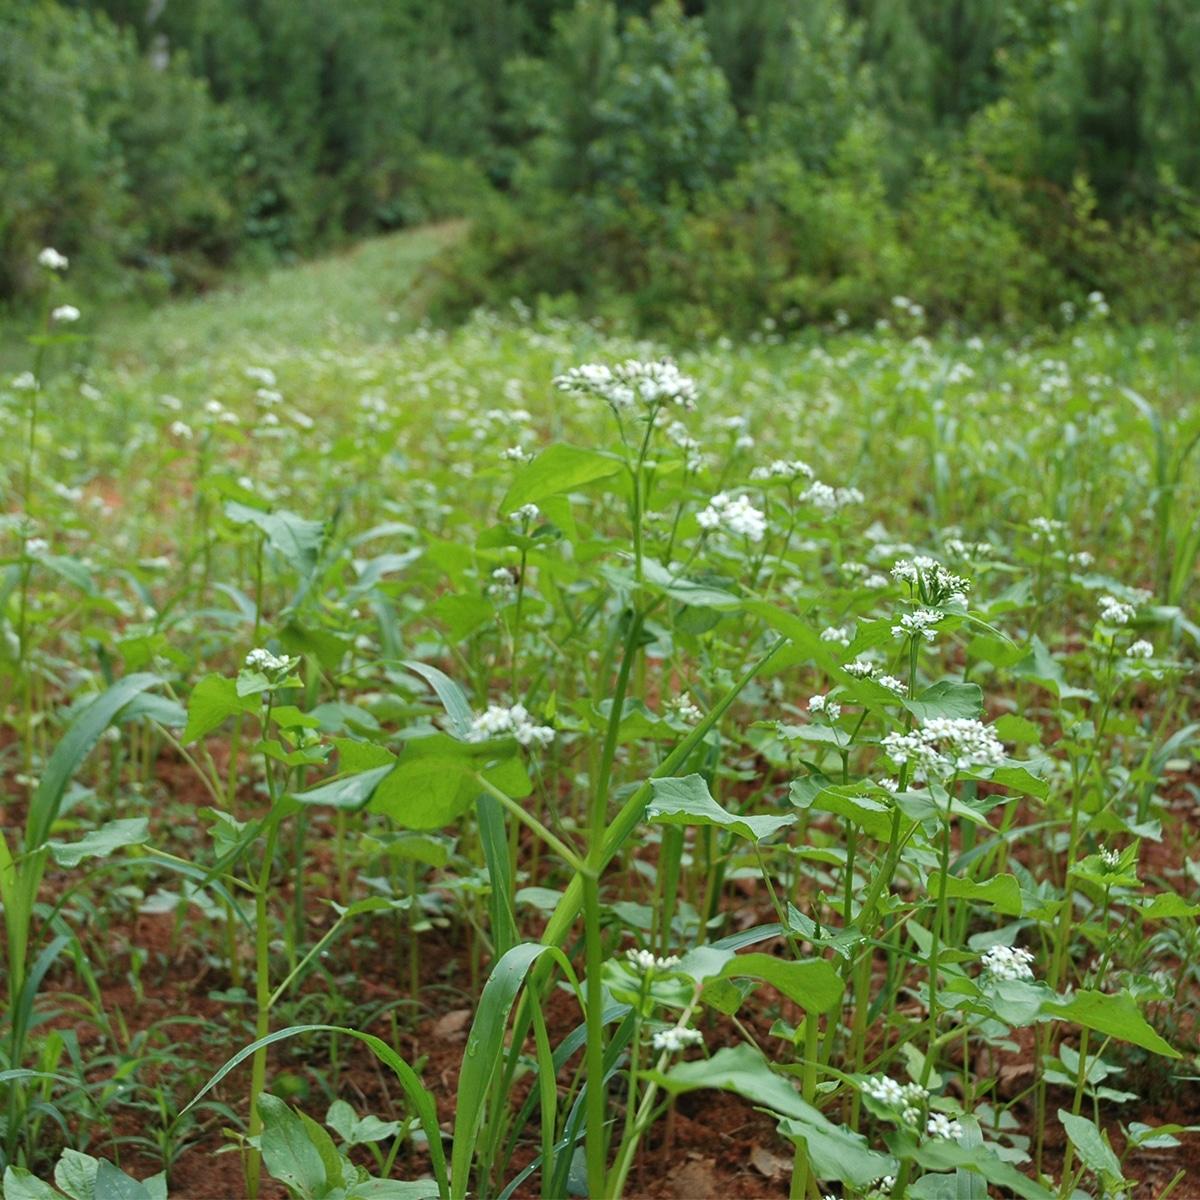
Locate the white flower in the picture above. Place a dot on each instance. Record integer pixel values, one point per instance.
(830, 499)
(64, 314)
(1115, 612)
(946, 743)
(646, 960)
(733, 514)
(942, 1126)
(36, 545)
(504, 582)
(906, 1100)
(822, 704)
(631, 382)
(1008, 962)
(527, 513)
(180, 429)
(1081, 558)
(884, 1089)
(892, 684)
(1046, 527)
(783, 470)
(683, 708)
(834, 633)
(52, 260)
(674, 1040)
(861, 668)
(1109, 857)
(25, 382)
(263, 375)
(921, 623)
(933, 583)
(516, 454)
(498, 721)
(263, 660)
(1140, 649)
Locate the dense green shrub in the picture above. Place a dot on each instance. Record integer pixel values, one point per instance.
(696, 166)
(995, 166)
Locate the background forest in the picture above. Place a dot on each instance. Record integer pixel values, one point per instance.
(685, 167)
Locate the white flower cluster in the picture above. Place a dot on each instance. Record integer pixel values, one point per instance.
(504, 582)
(647, 960)
(674, 1040)
(946, 743)
(517, 454)
(64, 314)
(1109, 857)
(910, 307)
(1046, 527)
(681, 706)
(830, 499)
(1008, 962)
(1115, 612)
(733, 514)
(782, 470)
(526, 513)
(933, 583)
(941, 1126)
(922, 623)
(268, 663)
(52, 260)
(631, 382)
(499, 720)
(835, 634)
(1140, 649)
(864, 668)
(906, 1098)
(822, 704)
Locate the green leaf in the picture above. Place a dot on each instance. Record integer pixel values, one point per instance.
(1093, 1148)
(942, 1156)
(288, 1151)
(687, 591)
(21, 1184)
(687, 801)
(1166, 905)
(418, 1096)
(848, 802)
(213, 700)
(453, 699)
(115, 835)
(75, 1174)
(946, 698)
(113, 1184)
(1115, 1015)
(1002, 892)
(296, 539)
(812, 983)
(426, 793)
(359, 1131)
(1040, 665)
(559, 468)
(835, 1152)
(485, 1049)
(349, 791)
(73, 748)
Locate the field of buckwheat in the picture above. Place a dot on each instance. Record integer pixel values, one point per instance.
(516, 762)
